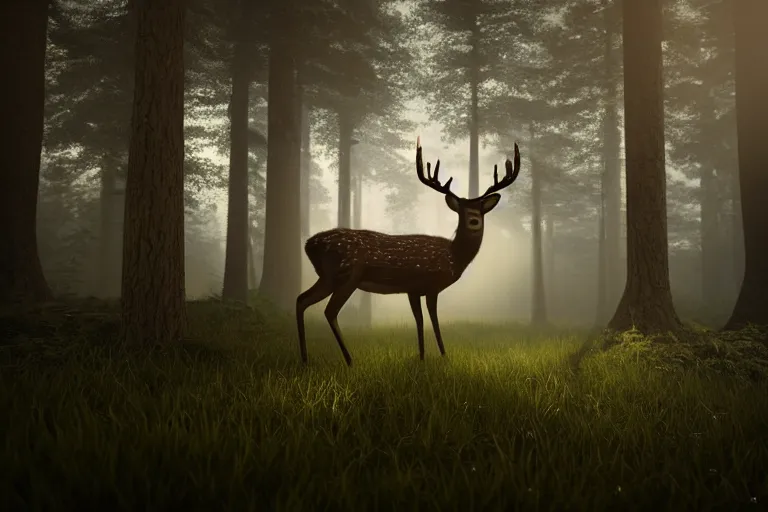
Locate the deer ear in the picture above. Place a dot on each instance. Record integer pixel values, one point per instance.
(490, 202)
(452, 202)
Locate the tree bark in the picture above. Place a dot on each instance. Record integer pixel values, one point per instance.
(539, 302)
(474, 121)
(236, 260)
(153, 308)
(281, 275)
(647, 301)
(750, 17)
(23, 30)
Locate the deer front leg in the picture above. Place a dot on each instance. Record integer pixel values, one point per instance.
(415, 301)
(317, 292)
(340, 297)
(432, 309)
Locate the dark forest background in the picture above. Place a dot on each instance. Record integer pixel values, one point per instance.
(274, 85)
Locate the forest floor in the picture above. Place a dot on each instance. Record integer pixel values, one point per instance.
(231, 421)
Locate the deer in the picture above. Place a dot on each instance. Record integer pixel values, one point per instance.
(417, 265)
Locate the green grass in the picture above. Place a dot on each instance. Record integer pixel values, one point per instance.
(231, 421)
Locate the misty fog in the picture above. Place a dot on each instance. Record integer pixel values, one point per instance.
(80, 213)
(496, 286)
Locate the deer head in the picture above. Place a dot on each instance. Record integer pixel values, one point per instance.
(471, 211)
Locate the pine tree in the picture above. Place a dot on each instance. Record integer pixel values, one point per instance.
(153, 300)
(23, 29)
(750, 17)
(647, 301)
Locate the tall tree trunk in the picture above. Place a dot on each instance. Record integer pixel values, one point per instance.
(23, 29)
(281, 275)
(345, 170)
(251, 264)
(306, 168)
(539, 302)
(737, 231)
(474, 115)
(111, 202)
(549, 260)
(611, 163)
(647, 300)
(297, 148)
(153, 308)
(710, 239)
(602, 312)
(236, 260)
(357, 195)
(750, 17)
(365, 310)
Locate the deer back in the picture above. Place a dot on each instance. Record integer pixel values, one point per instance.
(375, 250)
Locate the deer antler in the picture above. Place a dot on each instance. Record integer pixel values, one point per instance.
(508, 178)
(430, 180)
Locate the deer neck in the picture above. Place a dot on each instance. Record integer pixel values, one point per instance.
(465, 246)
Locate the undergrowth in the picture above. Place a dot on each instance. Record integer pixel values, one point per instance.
(739, 354)
(230, 420)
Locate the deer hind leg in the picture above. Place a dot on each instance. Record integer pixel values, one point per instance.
(317, 292)
(340, 297)
(415, 301)
(432, 309)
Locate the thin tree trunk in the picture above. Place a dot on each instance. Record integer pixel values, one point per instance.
(281, 275)
(751, 124)
(110, 232)
(737, 231)
(251, 264)
(357, 206)
(602, 312)
(365, 310)
(107, 176)
(710, 240)
(474, 123)
(647, 301)
(538, 305)
(297, 149)
(23, 29)
(549, 254)
(612, 163)
(306, 169)
(236, 260)
(153, 308)
(345, 170)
